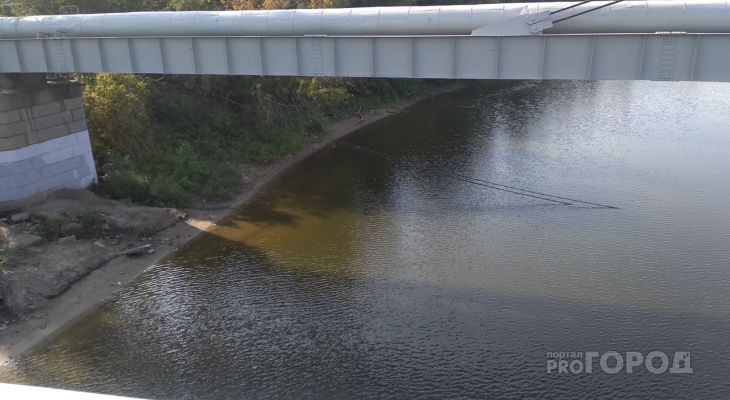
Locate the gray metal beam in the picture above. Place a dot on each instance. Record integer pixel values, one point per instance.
(672, 57)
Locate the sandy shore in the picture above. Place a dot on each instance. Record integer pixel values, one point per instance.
(81, 297)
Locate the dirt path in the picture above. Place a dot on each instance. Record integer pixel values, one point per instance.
(95, 282)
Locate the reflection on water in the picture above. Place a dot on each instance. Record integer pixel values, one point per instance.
(351, 276)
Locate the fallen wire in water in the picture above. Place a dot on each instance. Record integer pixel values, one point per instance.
(475, 181)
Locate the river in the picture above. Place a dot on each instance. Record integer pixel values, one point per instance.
(411, 269)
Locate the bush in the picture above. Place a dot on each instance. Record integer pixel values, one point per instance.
(189, 168)
(50, 228)
(122, 180)
(147, 230)
(258, 152)
(172, 179)
(166, 191)
(92, 222)
(222, 182)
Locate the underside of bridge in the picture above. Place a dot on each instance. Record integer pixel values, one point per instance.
(44, 143)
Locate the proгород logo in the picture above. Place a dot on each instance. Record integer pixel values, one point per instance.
(612, 362)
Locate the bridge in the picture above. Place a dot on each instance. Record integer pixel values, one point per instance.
(653, 40)
(44, 142)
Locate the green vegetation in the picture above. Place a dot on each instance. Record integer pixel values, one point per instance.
(7, 259)
(170, 139)
(92, 222)
(171, 179)
(50, 229)
(147, 230)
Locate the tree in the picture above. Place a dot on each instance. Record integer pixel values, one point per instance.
(117, 113)
(51, 7)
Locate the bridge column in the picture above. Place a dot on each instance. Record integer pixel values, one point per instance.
(44, 141)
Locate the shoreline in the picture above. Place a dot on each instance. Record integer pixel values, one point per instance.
(84, 295)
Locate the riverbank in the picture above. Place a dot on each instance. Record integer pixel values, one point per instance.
(117, 269)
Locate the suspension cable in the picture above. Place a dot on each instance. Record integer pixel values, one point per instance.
(587, 11)
(569, 7)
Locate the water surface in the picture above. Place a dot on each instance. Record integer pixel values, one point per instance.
(354, 276)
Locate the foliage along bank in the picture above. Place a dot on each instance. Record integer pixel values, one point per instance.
(162, 139)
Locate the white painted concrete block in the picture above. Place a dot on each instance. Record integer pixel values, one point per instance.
(7, 182)
(55, 156)
(9, 194)
(27, 178)
(83, 170)
(55, 181)
(28, 190)
(82, 136)
(14, 168)
(62, 166)
(89, 160)
(38, 162)
(57, 143)
(11, 156)
(87, 180)
(61, 162)
(82, 148)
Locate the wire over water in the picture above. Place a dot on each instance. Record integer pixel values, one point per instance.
(457, 176)
(476, 181)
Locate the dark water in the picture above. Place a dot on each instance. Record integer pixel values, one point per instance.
(354, 277)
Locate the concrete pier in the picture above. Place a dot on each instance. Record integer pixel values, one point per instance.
(44, 141)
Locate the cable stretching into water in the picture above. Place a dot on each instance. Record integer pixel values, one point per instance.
(436, 172)
(476, 181)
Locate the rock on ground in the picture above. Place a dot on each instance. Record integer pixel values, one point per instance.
(20, 217)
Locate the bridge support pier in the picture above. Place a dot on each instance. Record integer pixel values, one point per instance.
(44, 141)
